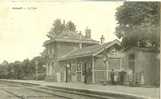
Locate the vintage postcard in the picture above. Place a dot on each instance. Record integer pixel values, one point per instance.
(78, 49)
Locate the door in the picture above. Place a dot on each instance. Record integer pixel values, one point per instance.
(87, 72)
(132, 66)
(58, 74)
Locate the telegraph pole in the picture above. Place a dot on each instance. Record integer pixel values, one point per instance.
(36, 70)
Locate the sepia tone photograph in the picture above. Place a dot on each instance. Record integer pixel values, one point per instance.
(79, 50)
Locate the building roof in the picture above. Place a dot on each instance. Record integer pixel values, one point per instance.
(145, 49)
(88, 51)
(70, 36)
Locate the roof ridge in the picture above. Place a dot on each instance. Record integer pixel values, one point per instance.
(89, 50)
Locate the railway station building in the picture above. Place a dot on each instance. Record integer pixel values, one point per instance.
(73, 57)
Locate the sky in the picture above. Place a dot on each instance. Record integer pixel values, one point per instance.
(23, 26)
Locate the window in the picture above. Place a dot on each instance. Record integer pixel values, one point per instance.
(114, 63)
(131, 56)
(52, 51)
(78, 67)
(113, 51)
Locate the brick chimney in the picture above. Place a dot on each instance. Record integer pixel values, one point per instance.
(80, 37)
(88, 33)
(102, 39)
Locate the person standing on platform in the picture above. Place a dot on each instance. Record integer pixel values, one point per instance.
(112, 77)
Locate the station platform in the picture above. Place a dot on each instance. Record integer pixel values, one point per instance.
(146, 93)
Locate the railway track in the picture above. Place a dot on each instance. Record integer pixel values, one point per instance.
(69, 93)
(13, 94)
(21, 91)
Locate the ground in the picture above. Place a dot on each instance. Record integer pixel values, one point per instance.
(149, 93)
(12, 91)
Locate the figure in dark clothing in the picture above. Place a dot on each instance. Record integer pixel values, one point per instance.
(122, 75)
(112, 77)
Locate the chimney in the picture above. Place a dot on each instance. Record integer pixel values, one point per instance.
(88, 33)
(80, 37)
(102, 39)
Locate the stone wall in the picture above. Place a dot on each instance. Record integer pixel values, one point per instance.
(148, 64)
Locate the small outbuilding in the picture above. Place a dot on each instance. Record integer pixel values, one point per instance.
(142, 66)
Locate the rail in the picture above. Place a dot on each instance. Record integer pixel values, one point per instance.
(72, 93)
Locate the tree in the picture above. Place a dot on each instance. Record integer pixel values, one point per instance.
(59, 27)
(23, 69)
(4, 70)
(70, 26)
(28, 69)
(139, 22)
(41, 69)
(18, 71)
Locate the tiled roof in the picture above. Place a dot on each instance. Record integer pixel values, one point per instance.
(88, 51)
(71, 37)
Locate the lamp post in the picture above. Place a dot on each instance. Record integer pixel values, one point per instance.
(105, 59)
(36, 70)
